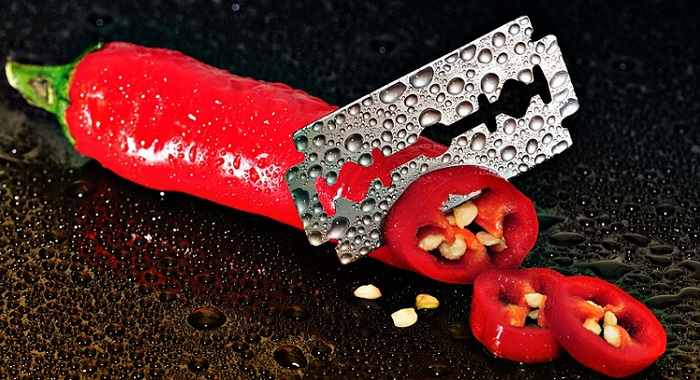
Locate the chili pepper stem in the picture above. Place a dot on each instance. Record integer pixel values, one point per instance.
(45, 87)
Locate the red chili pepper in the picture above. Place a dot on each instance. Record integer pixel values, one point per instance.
(503, 231)
(169, 122)
(507, 314)
(603, 327)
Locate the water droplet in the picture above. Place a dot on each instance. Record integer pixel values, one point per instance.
(332, 155)
(566, 238)
(365, 160)
(338, 228)
(498, 39)
(422, 78)
(536, 122)
(485, 56)
(520, 48)
(315, 238)
(411, 100)
(206, 318)
(478, 142)
(301, 200)
(468, 53)
(289, 356)
(80, 189)
(489, 83)
(391, 93)
(455, 86)
(429, 117)
(198, 364)
(514, 29)
(558, 79)
(560, 147)
(569, 108)
(464, 108)
(509, 126)
(296, 313)
(508, 153)
(354, 142)
(531, 147)
(525, 76)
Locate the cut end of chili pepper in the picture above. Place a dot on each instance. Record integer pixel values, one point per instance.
(494, 230)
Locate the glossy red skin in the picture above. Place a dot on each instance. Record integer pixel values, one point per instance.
(420, 204)
(170, 122)
(493, 291)
(566, 315)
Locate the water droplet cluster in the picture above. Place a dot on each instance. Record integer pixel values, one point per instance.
(440, 93)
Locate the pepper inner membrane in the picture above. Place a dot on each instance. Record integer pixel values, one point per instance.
(467, 233)
(603, 321)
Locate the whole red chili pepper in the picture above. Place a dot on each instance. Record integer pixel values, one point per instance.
(449, 247)
(169, 122)
(503, 302)
(603, 327)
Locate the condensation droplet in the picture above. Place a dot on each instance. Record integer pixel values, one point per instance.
(485, 56)
(332, 155)
(489, 83)
(536, 123)
(508, 153)
(455, 86)
(468, 53)
(569, 108)
(392, 93)
(410, 100)
(301, 200)
(509, 126)
(498, 39)
(422, 78)
(560, 147)
(429, 117)
(531, 146)
(478, 142)
(514, 29)
(206, 318)
(558, 79)
(525, 76)
(464, 108)
(289, 356)
(520, 48)
(353, 143)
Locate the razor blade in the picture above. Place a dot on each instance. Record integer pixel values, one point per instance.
(462, 95)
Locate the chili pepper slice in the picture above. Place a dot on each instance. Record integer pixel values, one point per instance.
(603, 327)
(169, 122)
(507, 314)
(503, 231)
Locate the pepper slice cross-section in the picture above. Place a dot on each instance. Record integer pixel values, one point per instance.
(499, 229)
(507, 314)
(603, 327)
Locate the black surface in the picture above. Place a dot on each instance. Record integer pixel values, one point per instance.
(99, 276)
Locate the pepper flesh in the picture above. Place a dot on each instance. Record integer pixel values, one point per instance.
(503, 212)
(169, 122)
(576, 301)
(501, 304)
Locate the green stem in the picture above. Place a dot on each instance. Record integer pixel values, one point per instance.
(46, 87)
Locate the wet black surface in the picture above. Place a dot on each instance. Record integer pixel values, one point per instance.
(101, 278)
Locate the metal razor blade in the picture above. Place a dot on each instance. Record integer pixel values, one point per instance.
(462, 85)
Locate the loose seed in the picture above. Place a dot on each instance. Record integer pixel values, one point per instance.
(610, 319)
(426, 301)
(369, 292)
(405, 317)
